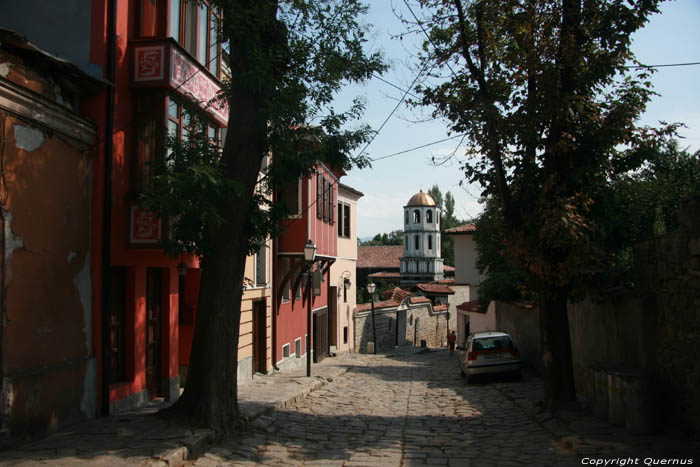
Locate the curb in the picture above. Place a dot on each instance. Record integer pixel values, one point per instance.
(198, 440)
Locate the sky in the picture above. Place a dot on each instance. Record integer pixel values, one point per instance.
(670, 37)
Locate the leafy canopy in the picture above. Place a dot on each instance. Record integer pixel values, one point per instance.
(287, 60)
(542, 90)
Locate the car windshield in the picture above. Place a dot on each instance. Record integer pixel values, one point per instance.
(492, 343)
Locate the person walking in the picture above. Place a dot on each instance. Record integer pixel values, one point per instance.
(451, 339)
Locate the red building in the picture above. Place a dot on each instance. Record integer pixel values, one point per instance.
(152, 56)
(313, 201)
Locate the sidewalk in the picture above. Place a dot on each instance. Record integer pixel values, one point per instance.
(139, 438)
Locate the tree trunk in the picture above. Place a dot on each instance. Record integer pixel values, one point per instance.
(210, 396)
(559, 390)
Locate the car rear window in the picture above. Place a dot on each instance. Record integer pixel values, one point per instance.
(492, 343)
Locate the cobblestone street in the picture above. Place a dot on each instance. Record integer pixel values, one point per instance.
(410, 410)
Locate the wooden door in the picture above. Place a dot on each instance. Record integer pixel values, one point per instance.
(154, 301)
(259, 337)
(320, 335)
(333, 310)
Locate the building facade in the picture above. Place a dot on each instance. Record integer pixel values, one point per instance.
(159, 66)
(344, 271)
(48, 369)
(421, 261)
(313, 202)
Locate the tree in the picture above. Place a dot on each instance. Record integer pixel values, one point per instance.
(541, 89)
(447, 221)
(395, 237)
(635, 206)
(287, 60)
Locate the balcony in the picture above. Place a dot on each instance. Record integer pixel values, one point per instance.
(162, 63)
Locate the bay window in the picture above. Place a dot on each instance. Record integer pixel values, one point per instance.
(195, 26)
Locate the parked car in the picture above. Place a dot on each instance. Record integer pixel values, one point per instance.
(489, 353)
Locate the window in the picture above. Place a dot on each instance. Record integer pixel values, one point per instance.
(406, 217)
(261, 266)
(429, 216)
(285, 351)
(290, 196)
(297, 279)
(174, 23)
(324, 199)
(195, 26)
(430, 241)
(343, 220)
(297, 347)
(405, 242)
(416, 216)
(345, 334)
(148, 24)
(285, 271)
(417, 241)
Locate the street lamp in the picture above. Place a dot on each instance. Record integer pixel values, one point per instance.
(309, 256)
(371, 288)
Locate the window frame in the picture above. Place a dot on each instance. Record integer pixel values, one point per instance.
(199, 42)
(344, 220)
(416, 216)
(299, 200)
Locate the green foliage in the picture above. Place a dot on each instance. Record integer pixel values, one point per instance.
(541, 91)
(395, 237)
(636, 205)
(287, 60)
(362, 296)
(447, 221)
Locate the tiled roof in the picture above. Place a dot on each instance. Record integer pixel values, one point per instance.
(446, 281)
(469, 306)
(396, 294)
(379, 256)
(420, 300)
(447, 268)
(462, 229)
(435, 289)
(377, 305)
(440, 307)
(385, 275)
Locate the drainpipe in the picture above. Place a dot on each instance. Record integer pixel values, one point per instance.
(107, 201)
(275, 306)
(3, 271)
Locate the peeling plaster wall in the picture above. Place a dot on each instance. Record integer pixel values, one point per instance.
(50, 372)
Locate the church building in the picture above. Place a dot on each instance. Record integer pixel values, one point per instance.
(421, 261)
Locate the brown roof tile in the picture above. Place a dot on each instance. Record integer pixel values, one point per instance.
(385, 275)
(469, 306)
(440, 307)
(435, 289)
(462, 229)
(420, 300)
(379, 256)
(377, 305)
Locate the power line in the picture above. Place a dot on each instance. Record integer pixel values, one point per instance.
(663, 65)
(425, 65)
(418, 147)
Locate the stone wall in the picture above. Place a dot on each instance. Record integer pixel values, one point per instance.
(420, 323)
(385, 321)
(523, 324)
(653, 328)
(668, 284)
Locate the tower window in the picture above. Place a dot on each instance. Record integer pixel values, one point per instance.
(416, 216)
(406, 217)
(429, 217)
(417, 240)
(430, 241)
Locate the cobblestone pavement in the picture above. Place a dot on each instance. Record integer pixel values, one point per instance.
(416, 409)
